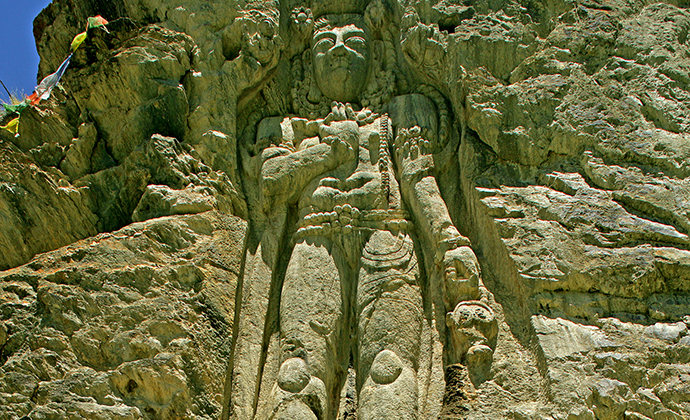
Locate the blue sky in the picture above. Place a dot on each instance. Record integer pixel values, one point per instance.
(18, 57)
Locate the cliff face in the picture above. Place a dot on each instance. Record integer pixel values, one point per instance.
(130, 212)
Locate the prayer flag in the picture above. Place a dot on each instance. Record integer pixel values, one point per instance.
(12, 126)
(77, 41)
(18, 108)
(97, 22)
(43, 90)
(46, 86)
(93, 22)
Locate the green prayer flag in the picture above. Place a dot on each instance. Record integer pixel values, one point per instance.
(97, 22)
(15, 108)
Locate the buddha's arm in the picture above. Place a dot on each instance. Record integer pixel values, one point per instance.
(421, 193)
(414, 162)
(415, 124)
(285, 174)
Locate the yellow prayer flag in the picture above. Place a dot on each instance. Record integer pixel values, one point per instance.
(77, 41)
(12, 126)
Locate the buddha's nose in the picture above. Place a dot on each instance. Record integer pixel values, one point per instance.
(339, 49)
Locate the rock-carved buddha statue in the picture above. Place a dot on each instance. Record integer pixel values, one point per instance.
(371, 289)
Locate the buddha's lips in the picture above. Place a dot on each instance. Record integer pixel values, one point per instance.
(341, 62)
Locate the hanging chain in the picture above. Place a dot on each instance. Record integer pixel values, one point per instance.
(385, 138)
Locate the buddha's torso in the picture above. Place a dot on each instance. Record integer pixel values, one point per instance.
(357, 194)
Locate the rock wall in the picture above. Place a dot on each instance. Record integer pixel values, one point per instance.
(129, 324)
(126, 211)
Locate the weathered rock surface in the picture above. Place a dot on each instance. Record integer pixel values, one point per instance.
(130, 220)
(40, 210)
(130, 324)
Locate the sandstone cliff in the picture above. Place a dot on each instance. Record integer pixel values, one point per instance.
(125, 210)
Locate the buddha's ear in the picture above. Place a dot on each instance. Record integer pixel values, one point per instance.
(449, 320)
(315, 95)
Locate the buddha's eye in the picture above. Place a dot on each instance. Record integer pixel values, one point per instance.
(324, 43)
(356, 40)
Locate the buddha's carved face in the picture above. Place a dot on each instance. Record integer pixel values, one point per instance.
(341, 61)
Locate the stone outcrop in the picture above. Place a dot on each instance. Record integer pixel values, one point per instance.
(130, 324)
(517, 179)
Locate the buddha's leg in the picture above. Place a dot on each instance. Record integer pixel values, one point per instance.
(389, 304)
(310, 327)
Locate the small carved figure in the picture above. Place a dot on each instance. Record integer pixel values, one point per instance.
(368, 268)
(259, 48)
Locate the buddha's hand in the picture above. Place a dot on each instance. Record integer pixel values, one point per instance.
(341, 133)
(340, 112)
(412, 142)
